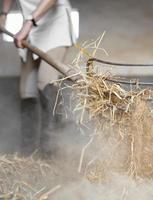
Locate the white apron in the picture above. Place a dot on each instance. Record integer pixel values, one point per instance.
(53, 28)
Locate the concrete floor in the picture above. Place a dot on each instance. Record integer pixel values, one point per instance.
(9, 115)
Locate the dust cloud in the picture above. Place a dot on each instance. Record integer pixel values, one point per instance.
(118, 187)
(78, 186)
(71, 139)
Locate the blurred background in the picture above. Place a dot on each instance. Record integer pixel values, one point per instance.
(128, 39)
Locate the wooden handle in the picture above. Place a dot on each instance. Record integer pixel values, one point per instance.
(62, 68)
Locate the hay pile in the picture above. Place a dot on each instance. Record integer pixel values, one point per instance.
(123, 118)
(26, 178)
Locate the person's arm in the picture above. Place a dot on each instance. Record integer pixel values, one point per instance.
(5, 9)
(41, 10)
(6, 6)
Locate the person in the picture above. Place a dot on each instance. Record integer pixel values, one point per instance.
(46, 26)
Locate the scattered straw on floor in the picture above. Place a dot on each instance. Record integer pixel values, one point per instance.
(26, 178)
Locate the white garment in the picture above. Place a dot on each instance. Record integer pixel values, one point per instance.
(53, 28)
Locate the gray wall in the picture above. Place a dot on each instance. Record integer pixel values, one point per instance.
(129, 30)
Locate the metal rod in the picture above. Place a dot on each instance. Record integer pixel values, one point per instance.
(130, 82)
(119, 81)
(117, 64)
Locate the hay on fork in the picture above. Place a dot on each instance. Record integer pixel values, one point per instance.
(121, 115)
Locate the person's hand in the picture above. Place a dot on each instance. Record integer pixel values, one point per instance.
(2, 20)
(23, 34)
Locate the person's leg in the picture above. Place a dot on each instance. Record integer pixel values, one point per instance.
(29, 125)
(29, 105)
(50, 100)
